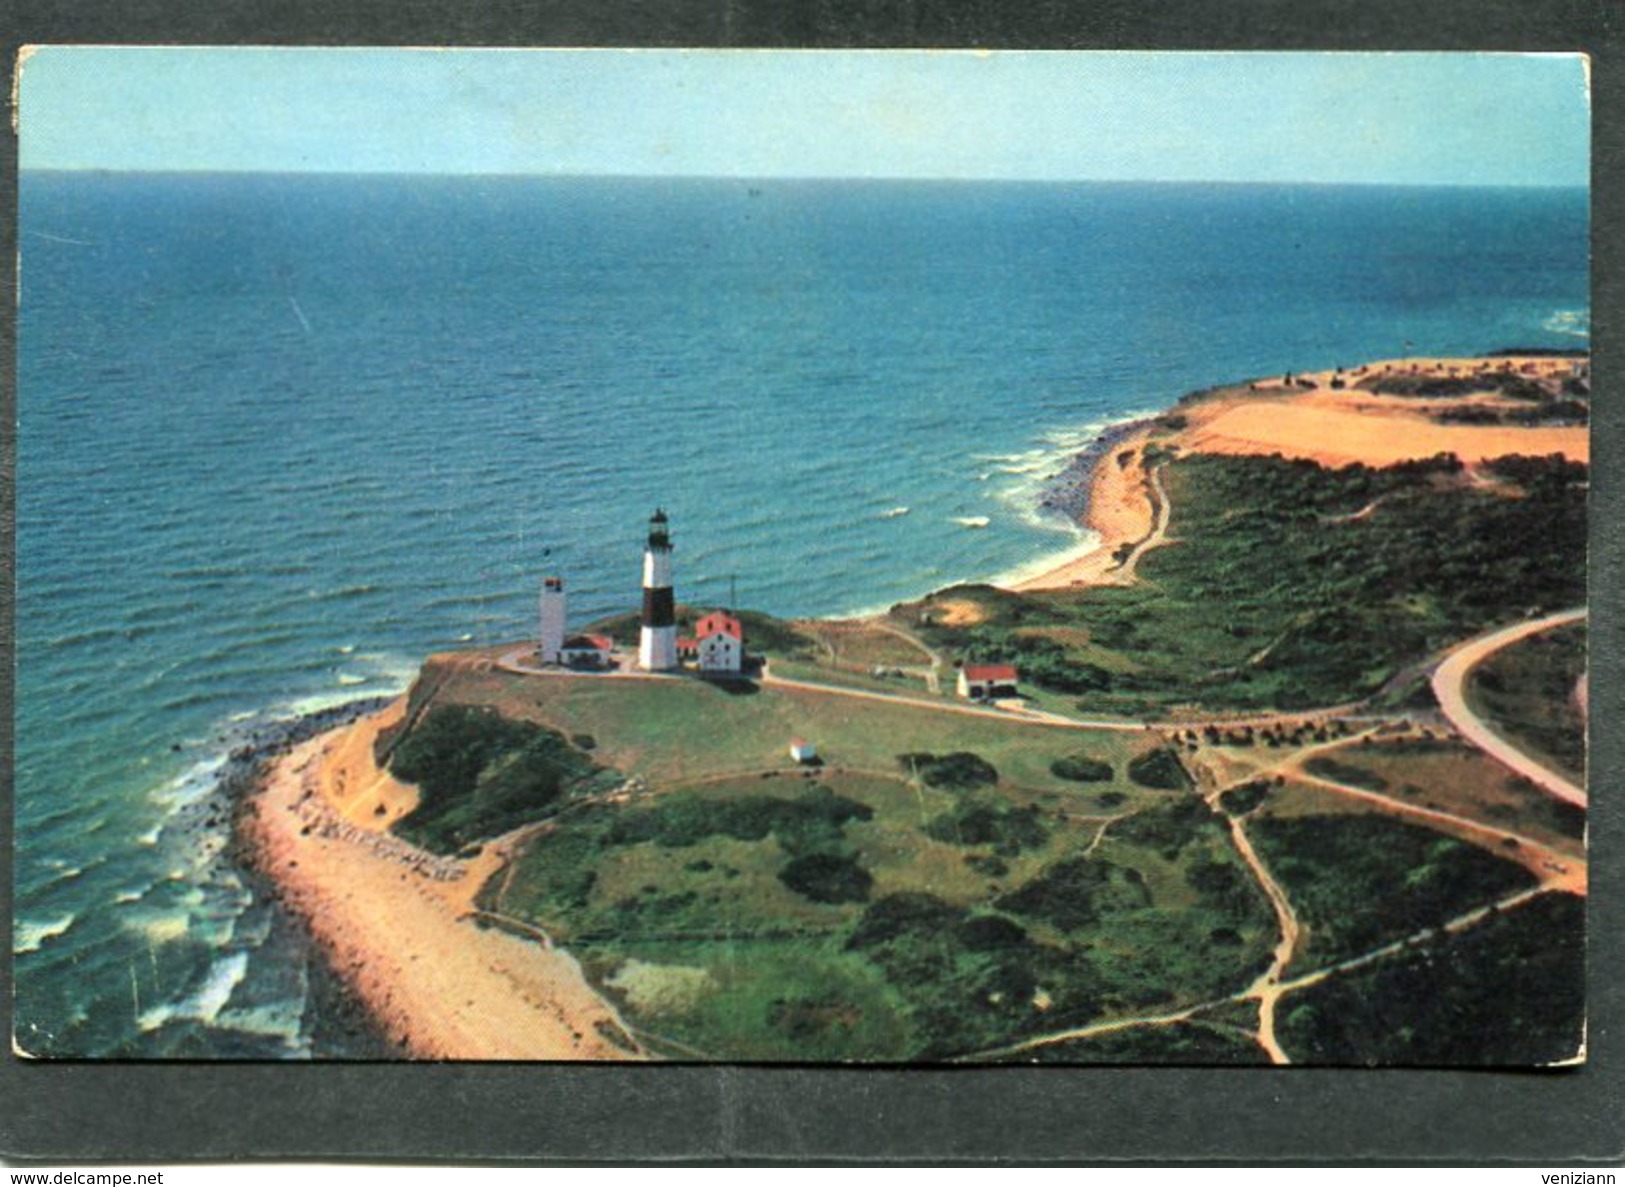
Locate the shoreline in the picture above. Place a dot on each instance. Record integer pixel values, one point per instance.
(397, 926)
(401, 930)
(1108, 500)
(335, 1023)
(1322, 416)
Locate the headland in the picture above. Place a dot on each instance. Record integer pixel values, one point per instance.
(1376, 414)
(1199, 792)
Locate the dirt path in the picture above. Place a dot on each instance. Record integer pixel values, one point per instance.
(1161, 511)
(933, 683)
(1456, 926)
(1094, 1029)
(1556, 869)
(1022, 717)
(1355, 516)
(1450, 686)
(512, 661)
(1268, 989)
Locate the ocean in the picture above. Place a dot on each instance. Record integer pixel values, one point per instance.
(279, 437)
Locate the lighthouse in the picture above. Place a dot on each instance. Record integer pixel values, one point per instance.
(552, 619)
(657, 644)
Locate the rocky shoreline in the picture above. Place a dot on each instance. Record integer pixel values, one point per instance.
(337, 1024)
(1066, 492)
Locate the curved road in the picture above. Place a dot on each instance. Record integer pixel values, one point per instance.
(1450, 686)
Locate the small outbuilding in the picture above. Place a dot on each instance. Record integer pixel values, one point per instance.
(986, 682)
(802, 750)
(586, 651)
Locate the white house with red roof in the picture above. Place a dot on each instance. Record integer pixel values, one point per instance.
(985, 682)
(717, 645)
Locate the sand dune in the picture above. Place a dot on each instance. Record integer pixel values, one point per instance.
(1332, 427)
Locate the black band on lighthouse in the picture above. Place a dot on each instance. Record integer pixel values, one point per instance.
(659, 608)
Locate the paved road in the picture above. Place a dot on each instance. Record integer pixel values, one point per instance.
(1450, 686)
(1017, 717)
(515, 661)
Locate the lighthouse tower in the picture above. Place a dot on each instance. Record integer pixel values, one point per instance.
(551, 615)
(657, 644)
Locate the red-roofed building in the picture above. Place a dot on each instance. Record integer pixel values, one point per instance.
(719, 620)
(586, 651)
(719, 642)
(984, 682)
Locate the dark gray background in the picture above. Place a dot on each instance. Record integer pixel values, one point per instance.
(169, 1113)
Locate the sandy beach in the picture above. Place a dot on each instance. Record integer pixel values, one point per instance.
(396, 922)
(1120, 511)
(1332, 426)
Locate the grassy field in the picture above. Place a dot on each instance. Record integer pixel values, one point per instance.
(910, 683)
(860, 644)
(944, 885)
(683, 729)
(1454, 777)
(934, 890)
(975, 917)
(1526, 692)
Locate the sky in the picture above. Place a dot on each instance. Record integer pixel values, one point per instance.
(1394, 119)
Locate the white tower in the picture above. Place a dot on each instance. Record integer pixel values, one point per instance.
(552, 621)
(657, 643)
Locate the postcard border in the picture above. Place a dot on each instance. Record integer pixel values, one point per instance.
(398, 1112)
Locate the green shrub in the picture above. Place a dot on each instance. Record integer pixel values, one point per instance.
(811, 821)
(1041, 660)
(983, 933)
(900, 914)
(1361, 881)
(828, 878)
(1008, 830)
(1508, 992)
(479, 774)
(1081, 768)
(1160, 770)
(1075, 893)
(1223, 886)
(954, 772)
(969, 980)
(1239, 801)
(1168, 828)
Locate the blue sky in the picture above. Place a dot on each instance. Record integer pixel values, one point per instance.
(1453, 119)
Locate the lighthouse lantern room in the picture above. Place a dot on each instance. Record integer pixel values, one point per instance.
(657, 643)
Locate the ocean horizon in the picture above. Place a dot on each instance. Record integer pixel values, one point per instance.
(281, 436)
